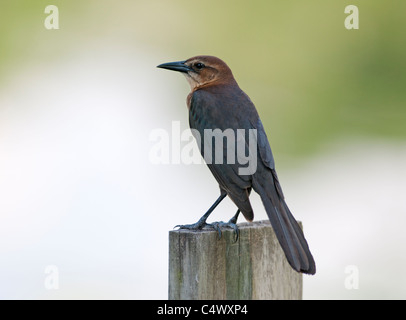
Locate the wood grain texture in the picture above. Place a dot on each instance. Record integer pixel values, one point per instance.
(203, 267)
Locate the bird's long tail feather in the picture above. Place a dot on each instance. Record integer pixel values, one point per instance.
(287, 230)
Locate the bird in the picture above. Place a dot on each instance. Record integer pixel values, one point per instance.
(216, 102)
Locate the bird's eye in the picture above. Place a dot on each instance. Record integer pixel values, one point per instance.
(199, 65)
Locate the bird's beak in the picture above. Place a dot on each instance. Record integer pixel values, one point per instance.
(175, 66)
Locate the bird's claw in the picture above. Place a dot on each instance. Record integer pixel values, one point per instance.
(220, 224)
(199, 226)
(195, 226)
(217, 226)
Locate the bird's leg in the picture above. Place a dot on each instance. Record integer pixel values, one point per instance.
(233, 220)
(232, 223)
(202, 221)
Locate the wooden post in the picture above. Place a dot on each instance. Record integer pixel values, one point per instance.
(203, 267)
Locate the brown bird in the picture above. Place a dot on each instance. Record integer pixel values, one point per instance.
(217, 104)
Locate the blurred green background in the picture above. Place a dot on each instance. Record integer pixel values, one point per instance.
(308, 75)
(77, 106)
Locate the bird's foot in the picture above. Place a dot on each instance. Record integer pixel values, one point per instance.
(217, 226)
(228, 225)
(194, 226)
(199, 225)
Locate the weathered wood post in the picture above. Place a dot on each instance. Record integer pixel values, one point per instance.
(203, 267)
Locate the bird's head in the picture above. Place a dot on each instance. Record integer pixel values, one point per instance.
(202, 71)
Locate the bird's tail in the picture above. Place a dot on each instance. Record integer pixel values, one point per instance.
(287, 230)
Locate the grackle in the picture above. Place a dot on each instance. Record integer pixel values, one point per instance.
(217, 102)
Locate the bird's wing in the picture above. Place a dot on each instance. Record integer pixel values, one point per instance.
(205, 112)
(263, 144)
(265, 152)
